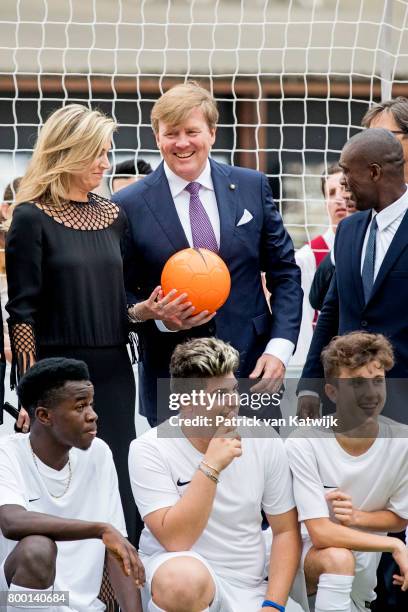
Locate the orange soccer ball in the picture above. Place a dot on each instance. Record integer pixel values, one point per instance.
(201, 274)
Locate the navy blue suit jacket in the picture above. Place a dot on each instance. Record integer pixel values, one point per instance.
(262, 244)
(345, 310)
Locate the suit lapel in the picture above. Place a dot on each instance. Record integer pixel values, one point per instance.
(227, 199)
(356, 249)
(398, 244)
(160, 202)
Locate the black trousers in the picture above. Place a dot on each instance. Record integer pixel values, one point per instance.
(390, 598)
(112, 376)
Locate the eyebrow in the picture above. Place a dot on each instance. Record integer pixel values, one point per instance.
(229, 389)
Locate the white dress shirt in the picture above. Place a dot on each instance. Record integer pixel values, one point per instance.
(181, 199)
(279, 347)
(388, 221)
(306, 260)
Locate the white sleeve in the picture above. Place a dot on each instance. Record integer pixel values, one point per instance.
(161, 327)
(398, 501)
(307, 485)
(152, 485)
(115, 510)
(305, 259)
(280, 348)
(278, 491)
(12, 490)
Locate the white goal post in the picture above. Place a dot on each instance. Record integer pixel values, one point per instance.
(292, 77)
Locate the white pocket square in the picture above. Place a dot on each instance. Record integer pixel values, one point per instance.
(246, 218)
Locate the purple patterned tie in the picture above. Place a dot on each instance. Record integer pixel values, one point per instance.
(201, 228)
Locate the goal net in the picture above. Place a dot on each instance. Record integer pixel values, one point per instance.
(292, 78)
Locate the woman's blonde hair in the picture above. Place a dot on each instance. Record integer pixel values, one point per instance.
(71, 138)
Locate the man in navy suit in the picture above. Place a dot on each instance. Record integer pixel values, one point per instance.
(369, 290)
(191, 200)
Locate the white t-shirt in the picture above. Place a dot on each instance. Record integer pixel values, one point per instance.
(306, 260)
(93, 495)
(232, 541)
(376, 480)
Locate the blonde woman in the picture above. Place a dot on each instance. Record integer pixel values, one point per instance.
(65, 280)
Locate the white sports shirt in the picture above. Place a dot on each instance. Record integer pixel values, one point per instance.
(93, 495)
(376, 480)
(160, 470)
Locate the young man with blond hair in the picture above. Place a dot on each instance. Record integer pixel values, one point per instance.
(351, 484)
(191, 200)
(200, 490)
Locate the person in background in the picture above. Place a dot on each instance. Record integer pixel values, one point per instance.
(65, 274)
(9, 197)
(311, 255)
(323, 275)
(60, 510)
(125, 173)
(391, 115)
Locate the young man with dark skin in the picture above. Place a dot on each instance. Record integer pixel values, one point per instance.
(60, 510)
(351, 483)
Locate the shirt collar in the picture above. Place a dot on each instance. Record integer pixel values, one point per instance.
(391, 212)
(178, 184)
(328, 237)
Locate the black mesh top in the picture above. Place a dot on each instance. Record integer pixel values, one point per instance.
(65, 278)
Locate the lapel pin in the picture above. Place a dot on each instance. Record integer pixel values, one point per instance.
(232, 186)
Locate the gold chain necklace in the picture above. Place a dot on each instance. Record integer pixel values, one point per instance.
(69, 474)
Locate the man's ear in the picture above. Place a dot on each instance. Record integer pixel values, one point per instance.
(376, 172)
(213, 132)
(331, 392)
(42, 415)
